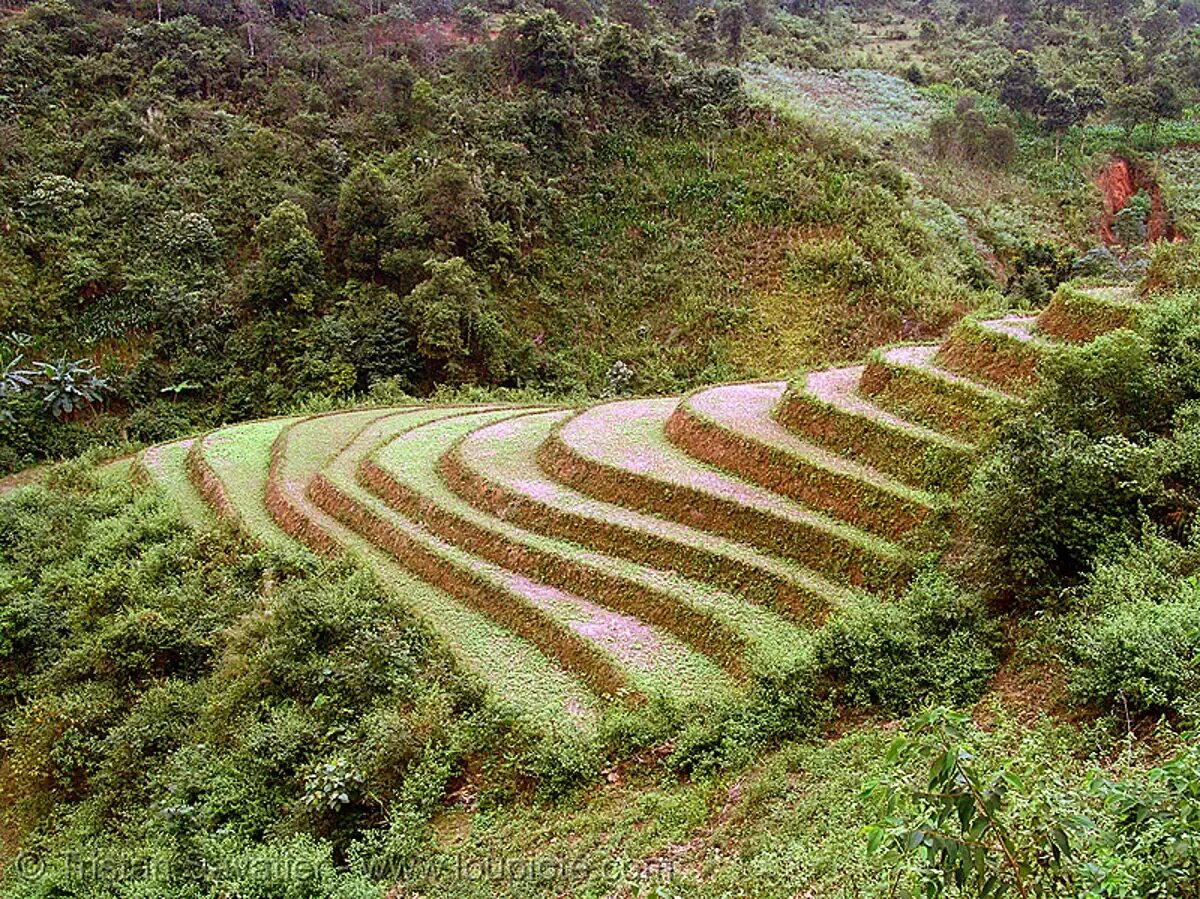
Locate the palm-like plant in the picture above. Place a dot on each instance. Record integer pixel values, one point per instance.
(69, 385)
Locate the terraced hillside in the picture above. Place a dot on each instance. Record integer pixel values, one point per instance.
(665, 549)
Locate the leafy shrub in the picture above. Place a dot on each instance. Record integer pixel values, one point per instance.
(159, 421)
(1134, 646)
(1113, 440)
(783, 705)
(950, 824)
(1141, 656)
(1174, 265)
(956, 818)
(1098, 262)
(1046, 502)
(935, 644)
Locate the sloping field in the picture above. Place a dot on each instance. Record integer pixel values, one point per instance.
(673, 549)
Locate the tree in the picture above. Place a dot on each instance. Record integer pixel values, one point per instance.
(68, 385)
(13, 380)
(290, 271)
(1133, 105)
(1059, 112)
(543, 51)
(366, 205)
(703, 43)
(453, 316)
(471, 20)
(1089, 100)
(1021, 85)
(1165, 102)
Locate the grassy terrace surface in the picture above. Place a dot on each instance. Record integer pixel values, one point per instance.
(907, 381)
(731, 426)
(1003, 352)
(512, 669)
(619, 452)
(239, 457)
(298, 453)
(166, 466)
(615, 653)
(496, 469)
(826, 407)
(727, 629)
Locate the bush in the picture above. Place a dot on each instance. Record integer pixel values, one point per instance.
(1174, 265)
(1141, 656)
(1044, 503)
(1028, 833)
(1113, 440)
(936, 644)
(1136, 648)
(160, 421)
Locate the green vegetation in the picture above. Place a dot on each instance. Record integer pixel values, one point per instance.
(408, 545)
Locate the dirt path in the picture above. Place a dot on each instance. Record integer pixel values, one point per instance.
(21, 478)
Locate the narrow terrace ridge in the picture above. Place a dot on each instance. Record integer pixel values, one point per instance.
(731, 427)
(616, 655)
(165, 465)
(619, 452)
(495, 468)
(826, 407)
(230, 468)
(510, 668)
(1003, 352)
(909, 382)
(725, 628)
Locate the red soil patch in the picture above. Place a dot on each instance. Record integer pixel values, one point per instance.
(1118, 182)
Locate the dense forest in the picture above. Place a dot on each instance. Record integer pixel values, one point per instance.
(213, 211)
(225, 226)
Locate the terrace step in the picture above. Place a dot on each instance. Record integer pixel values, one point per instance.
(731, 427)
(511, 669)
(1003, 352)
(165, 466)
(299, 452)
(619, 453)
(495, 468)
(826, 407)
(1080, 315)
(230, 468)
(908, 381)
(617, 655)
(735, 634)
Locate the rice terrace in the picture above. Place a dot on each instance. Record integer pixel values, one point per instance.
(669, 548)
(616, 449)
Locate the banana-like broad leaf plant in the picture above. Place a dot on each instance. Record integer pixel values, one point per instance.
(69, 385)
